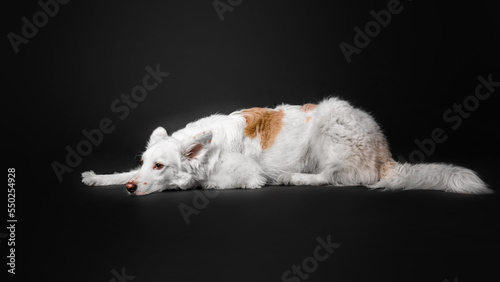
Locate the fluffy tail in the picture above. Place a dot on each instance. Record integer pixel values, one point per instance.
(443, 177)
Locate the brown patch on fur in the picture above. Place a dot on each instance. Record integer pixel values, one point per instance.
(308, 119)
(263, 123)
(384, 163)
(308, 107)
(386, 170)
(374, 158)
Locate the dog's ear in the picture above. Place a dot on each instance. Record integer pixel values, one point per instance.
(157, 134)
(196, 147)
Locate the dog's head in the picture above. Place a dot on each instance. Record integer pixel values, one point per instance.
(169, 163)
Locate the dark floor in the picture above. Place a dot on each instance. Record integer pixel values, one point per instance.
(84, 233)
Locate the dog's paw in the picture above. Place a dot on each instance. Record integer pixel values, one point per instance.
(251, 186)
(255, 184)
(285, 178)
(89, 178)
(289, 178)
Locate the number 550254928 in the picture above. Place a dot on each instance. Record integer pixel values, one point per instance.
(11, 183)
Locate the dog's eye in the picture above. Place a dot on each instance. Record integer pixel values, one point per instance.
(158, 166)
(142, 162)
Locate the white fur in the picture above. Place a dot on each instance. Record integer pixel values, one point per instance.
(333, 144)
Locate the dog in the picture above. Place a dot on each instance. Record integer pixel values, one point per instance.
(329, 143)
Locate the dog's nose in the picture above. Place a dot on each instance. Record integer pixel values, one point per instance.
(131, 187)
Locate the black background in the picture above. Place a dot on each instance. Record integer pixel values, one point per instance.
(263, 53)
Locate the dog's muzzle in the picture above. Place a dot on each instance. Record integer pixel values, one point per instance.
(131, 187)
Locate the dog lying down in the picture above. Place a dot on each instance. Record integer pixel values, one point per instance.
(331, 143)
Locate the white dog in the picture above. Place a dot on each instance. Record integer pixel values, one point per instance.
(331, 143)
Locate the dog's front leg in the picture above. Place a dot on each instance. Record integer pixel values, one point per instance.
(92, 179)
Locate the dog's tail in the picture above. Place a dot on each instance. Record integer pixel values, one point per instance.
(445, 177)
